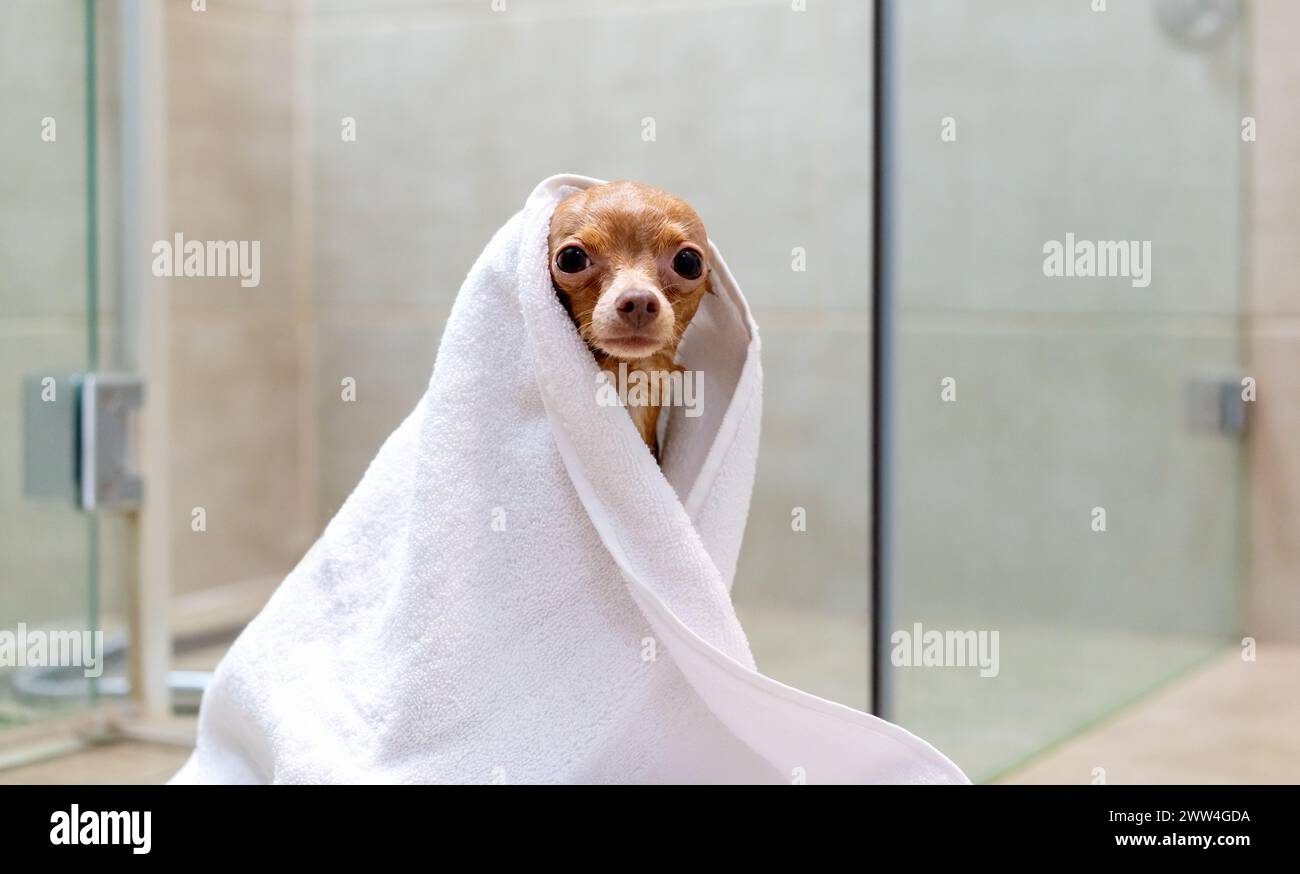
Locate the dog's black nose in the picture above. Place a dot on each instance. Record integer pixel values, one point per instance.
(637, 308)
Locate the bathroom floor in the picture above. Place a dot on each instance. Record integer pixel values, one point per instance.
(119, 762)
(1232, 722)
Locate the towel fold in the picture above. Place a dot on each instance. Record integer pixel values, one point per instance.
(517, 593)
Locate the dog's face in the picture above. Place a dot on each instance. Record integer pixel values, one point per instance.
(631, 264)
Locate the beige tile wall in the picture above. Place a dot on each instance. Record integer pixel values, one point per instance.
(1273, 323)
(237, 377)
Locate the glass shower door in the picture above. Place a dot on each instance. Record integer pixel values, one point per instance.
(1067, 390)
(48, 548)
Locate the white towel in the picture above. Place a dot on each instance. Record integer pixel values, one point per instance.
(515, 593)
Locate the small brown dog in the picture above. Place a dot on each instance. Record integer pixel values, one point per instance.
(630, 263)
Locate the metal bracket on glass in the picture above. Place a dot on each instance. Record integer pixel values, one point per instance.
(109, 478)
(50, 403)
(1217, 404)
(79, 443)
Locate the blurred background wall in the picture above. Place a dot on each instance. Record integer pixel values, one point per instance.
(1272, 322)
(238, 356)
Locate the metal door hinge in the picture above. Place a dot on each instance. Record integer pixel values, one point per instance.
(80, 441)
(110, 478)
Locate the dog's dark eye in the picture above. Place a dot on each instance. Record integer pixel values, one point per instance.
(688, 264)
(571, 259)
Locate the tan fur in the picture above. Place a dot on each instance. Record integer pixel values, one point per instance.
(630, 232)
